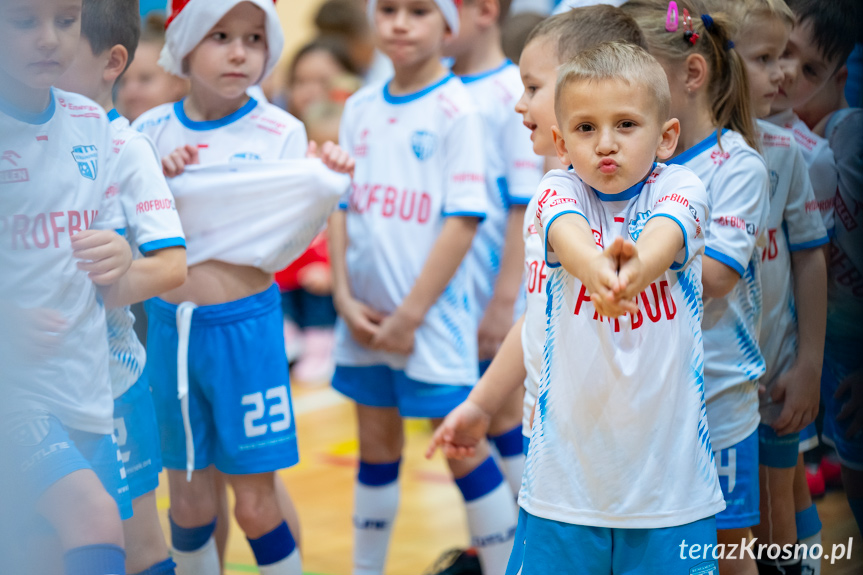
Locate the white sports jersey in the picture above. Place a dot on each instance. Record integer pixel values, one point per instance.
(512, 169)
(845, 272)
(533, 328)
(794, 224)
(150, 223)
(736, 179)
(257, 131)
(419, 160)
(621, 407)
(55, 176)
(819, 158)
(259, 214)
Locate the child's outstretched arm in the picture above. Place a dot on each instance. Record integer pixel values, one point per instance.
(800, 386)
(396, 332)
(160, 271)
(467, 424)
(643, 262)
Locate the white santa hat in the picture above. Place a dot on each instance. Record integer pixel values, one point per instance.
(449, 8)
(189, 21)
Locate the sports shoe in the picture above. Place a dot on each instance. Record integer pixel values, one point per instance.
(316, 366)
(456, 562)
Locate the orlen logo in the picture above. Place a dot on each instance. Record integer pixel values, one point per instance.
(10, 156)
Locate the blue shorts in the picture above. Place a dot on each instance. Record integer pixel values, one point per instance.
(543, 546)
(46, 452)
(775, 451)
(137, 433)
(808, 438)
(240, 406)
(382, 386)
(850, 450)
(738, 476)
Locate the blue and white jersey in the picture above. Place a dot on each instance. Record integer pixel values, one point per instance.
(794, 223)
(55, 176)
(845, 270)
(820, 161)
(737, 181)
(151, 223)
(419, 159)
(533, 329)
(621, 407)
(257, 131)
(512, 169)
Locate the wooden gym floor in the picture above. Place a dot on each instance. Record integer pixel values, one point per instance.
(431, 517)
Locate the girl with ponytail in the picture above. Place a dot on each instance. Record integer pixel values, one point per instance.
(718, 141)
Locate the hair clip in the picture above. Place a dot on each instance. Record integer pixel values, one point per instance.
(729, 45)
(671, 26)
(689, 33)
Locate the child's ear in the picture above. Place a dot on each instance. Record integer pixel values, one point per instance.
(697, 74)
(560, 146)
(118, 58)
(668, 140)
(489, 12)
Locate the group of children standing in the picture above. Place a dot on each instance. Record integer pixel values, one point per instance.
(631, 344)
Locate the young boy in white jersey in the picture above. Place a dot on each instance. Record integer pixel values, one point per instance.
(109, 37)
(794, 282)
(555, 40)
(599, 443)
(512, 173)
(56, 178)
(218, 338)
(406, 340)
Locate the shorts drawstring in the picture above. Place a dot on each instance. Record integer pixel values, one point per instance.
(184, 328)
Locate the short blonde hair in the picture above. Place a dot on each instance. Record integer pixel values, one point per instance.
(742, 12)
(615, 61)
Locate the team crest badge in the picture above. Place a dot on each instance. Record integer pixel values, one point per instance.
(707, 568)
(423, 144)
(88, 160)
(637, 224)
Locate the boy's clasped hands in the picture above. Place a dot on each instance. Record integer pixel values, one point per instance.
(613, 279)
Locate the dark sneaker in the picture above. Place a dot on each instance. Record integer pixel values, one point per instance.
(456, 562)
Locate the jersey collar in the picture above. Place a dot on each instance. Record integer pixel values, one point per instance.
(695, 150)
(404, 99)
(213, 124)
(626, 194)
(34, 118)
(486, 74)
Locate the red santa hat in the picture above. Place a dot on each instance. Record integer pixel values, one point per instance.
(189, 21)
(449, 8)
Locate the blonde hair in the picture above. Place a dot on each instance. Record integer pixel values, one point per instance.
(742, 12)
(615, 61)
(727, 88)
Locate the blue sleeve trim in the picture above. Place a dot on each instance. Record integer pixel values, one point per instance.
(518, 201)
(548, 227)
(162, 244)
(480, 215)
(831, 233)
(674, 265)
(720, 257)
(809, 245)
(343, 206)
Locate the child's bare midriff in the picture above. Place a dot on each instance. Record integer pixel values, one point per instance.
(213, 282)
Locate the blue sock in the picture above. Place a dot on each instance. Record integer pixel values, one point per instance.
(510, 443)
(378, 474)
(165, 567)
(808, 522)
(857, 509)
(101, 559)
(481, 481)
(273, 546)
(190, 539)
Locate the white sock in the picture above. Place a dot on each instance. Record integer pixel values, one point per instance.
(375, 510)
(510, 456)
(201, 561)
(290, 565)
(512, 469)
(812, 566)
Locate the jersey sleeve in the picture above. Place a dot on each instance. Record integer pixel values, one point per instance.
(804, 227)
(680, 196)
(346, 142)
(110, 216)
(296, 143)
(738, 210)
(147, 202)
(824, 179)
(558, 195)
(523, 167)
(465, 168)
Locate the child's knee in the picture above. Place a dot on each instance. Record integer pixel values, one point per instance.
(88, 515)
(256, 508)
